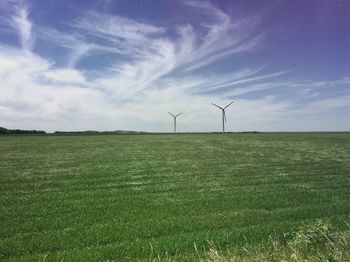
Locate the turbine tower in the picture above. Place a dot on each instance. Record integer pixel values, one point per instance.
(174, 116)
(223, 115)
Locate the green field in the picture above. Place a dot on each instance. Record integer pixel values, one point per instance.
(134, 197)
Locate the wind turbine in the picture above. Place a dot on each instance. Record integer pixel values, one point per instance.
(174, 116)
(223, 115)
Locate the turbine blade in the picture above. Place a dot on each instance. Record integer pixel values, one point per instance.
(217, 106)
(224, 115)
(228, 105)
(171, 114)
(179, 114)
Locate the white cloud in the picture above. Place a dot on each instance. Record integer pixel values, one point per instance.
(327, 104)
(24, 27)
(223, 38)
(65, 75)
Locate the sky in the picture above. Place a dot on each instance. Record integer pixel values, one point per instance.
(124, 64)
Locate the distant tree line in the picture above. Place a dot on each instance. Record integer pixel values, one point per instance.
(4, 130)
(76, 132)
(92, 132)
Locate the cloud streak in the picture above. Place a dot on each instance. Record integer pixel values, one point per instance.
(22, 24)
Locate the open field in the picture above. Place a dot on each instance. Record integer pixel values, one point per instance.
(129, 197)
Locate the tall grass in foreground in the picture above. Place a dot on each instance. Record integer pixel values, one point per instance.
(318, 241)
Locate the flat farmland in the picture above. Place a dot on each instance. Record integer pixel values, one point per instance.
(137, 197)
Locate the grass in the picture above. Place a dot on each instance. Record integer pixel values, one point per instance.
(139, 197)
(313, 242)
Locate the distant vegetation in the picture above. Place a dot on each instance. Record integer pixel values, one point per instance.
(20, 131)
(6, 131)
(93, 132)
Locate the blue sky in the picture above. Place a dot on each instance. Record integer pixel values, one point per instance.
(123, 64)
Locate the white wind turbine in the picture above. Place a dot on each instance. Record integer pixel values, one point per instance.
(223, 114)
(174, 116)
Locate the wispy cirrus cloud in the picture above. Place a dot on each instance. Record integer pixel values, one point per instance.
(24, 27)
(330, 103)
(221, 39)
(151, 55)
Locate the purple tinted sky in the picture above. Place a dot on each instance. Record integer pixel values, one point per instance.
(105, 65)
